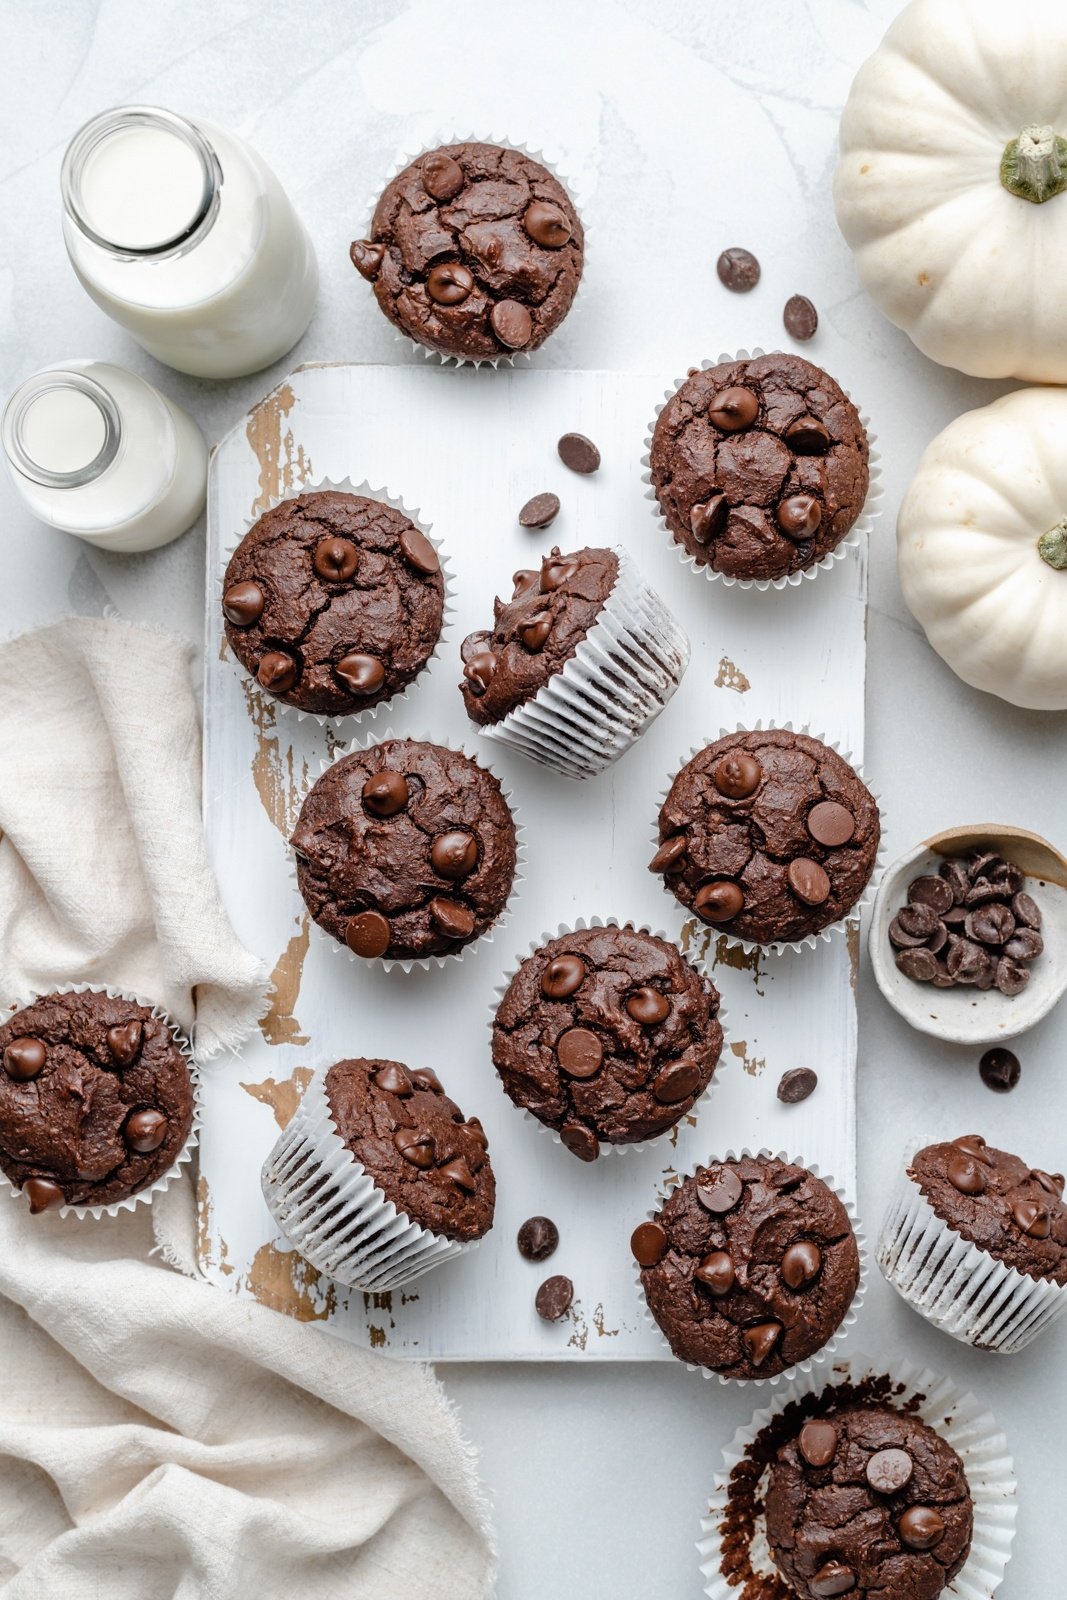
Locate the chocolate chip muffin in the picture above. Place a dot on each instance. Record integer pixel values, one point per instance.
(405, 850)
(771, 836)
(760, 466)
(475, 251)
(333, 602)
(1007, 1208)
(96, 1100)
(607, 1035)
(749, 1267)
(867, 1500)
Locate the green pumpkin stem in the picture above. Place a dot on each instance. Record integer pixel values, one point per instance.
(1052, 546)
(1034, 166)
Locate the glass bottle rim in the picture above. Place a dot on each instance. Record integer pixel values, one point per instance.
(14, 417)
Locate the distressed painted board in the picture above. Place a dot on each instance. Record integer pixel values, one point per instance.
(467, 449)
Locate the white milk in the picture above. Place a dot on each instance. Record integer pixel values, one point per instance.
(95, 450)
(184, 236)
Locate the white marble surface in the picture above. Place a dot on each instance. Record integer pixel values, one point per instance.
(665, 115)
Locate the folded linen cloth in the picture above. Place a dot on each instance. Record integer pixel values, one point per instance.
(159, 1438)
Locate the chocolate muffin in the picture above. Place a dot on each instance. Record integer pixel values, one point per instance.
(96, 1100)
(333, 602)
(866, 1500)
(1007, 1208)
(536, 632)
(405, 850)
(475, 251)
(760, 466)
(749, 1267)
(607, 1035)
(771, 836)
(415, 1144)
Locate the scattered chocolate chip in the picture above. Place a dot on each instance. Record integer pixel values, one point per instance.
(460, 1174)
(385, 793)
(43, 1195)
(817, 1443)
(539, 512)
(733, 409)
(145, 1131)
(367, 934)
(716, 1272)
(800, 318)
(580, 1141)
(709, 518)
(761, 1340)
(449, 283)
(553, 1299)
(676, 1081)
(277, 672)
(831, 824)
(366, 257)
(832, 1579)
(1032, 1218)
(512, 323)
(563, 976)
(578, 453)
(647, 1006)
(580, 1053)
(966, 1175)
(737, 775)
(416, 1147)
(808, 881)
(546, 225)
(243, 603)
(442, 177)
(738, 270)
(419, 552)
(1000, 1069)
(361, 673)
(478, 671)
(537, 1239)
(392, 1079)
(807, 436)
(801, 1264)
(454, 855)
(648, 1243)
(24, 1058)
(335, 560)
(669, 854)
(719, 1190)
(451, 917)
(796, 1085)
(719, 901)
(921, 1527)
(799, 516)
(889, 1470)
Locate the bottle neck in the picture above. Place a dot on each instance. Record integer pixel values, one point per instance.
(61, 429)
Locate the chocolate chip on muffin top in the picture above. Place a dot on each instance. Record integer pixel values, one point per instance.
(998, 1202)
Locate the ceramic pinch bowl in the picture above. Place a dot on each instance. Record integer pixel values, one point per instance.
(966, 1015)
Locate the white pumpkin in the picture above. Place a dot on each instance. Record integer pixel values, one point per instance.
(982, 547)
(952, 183)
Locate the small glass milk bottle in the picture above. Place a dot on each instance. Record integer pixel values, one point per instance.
(95, 450)
(184, 236)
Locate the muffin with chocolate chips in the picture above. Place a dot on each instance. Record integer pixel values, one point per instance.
(405, 850)
(96, 1100)
(475, 251)
(868, 1500)
(770, 836)
(379, 1176)
(749, 1267)
(333, 602)
(760, 467)
(975, 1240)
(607, 1036)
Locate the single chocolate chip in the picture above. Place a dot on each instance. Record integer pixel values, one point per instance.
(563, 976)
(392, 1079)
(648, 1243)
(817, 1443)
(367, 934)
(921, 1527)
(980, 862)
(553, 1299)
(1026, 909)
(992, 924)
(761, 1340)
(955, 875)
(1008, 878)
(982, 893)
(647, 1006)
(676, 1081)
(449, 283)
(580, 1141)
(512, 323)
(367, 257)
(969, 963)
(335, 560)
(709, 518)
(966, 1175)
(277, 672)
(460, 1174)
(733, 409)
(669, 854)
(555, 572)
(973, 1145)
(719, 901)
(1032, 1218)
(933, 892)
(419, 553)
(361, 673)
(889, 1470)
(43, 1195)
(938, 939)
(540, 511)
(807, 436)
(737, 775)
(796, 1085)
(833, 1578)
(125, 1041)
(580, 1053)
(719, 1190)
(145, 1131)
(385, 793)
(578, 453)
(831, 824)
(1011, 978)
(901, 939)
(535, 634)
(442, 177)
(479, 670)
(243, 603)
(1025, 944)
(522, 581)
(427, 1079)
(801, 1264)
(451, 917)
(738, 270)
(546, 225)
(920, 965)
(454, 855)
(1000, 1069)
(799, 517)
(416, 1147)
(800, 318)
(716, 1272)
(24, 1058)
(537, 1239)
(808, 881)
(917, 920)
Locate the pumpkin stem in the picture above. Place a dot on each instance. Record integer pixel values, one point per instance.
(1052, 546)
(1034, 166)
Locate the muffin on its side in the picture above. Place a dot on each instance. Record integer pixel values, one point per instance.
(607, 1035)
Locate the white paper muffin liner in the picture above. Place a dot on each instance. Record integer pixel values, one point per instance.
(580, 925)
(611, 689)
(861, 528)
(185, 1154)
(365, 490)
(450, 957)
(818, 1358)
(832, 929)
(960, 1420)
(451, 137)
(963, 1290)
(329, 1207)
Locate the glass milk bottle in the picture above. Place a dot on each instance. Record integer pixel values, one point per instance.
(185, 237)
(95, 450)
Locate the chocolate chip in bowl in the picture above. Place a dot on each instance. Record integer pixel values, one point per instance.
(968, 939)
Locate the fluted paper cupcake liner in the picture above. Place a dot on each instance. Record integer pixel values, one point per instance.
(364, 489)
(960, 1420)
(449, 959)
(832, 929)
(610, 690)
(328, 1206)
(442, 140)
(819, 1358)
(185, 1154)
(860, 529)
(967, 1292)
(580, 925)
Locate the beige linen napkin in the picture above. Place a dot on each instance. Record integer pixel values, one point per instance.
(159, 1438)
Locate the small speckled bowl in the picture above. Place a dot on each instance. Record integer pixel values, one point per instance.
(967, 1015)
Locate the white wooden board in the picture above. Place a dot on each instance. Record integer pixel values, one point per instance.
(467, 449)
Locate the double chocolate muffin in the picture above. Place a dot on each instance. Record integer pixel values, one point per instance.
(475, 251)
(749, 1267)
(333, 602)
(405, 850)
(607, 1035)
(96, 1100)
(1007, 1208)
(760, 467)
(771, 836)
(866, 1500)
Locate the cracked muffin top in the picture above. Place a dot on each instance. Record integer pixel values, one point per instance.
(475, 251)
(333, 602)
(760, 467)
